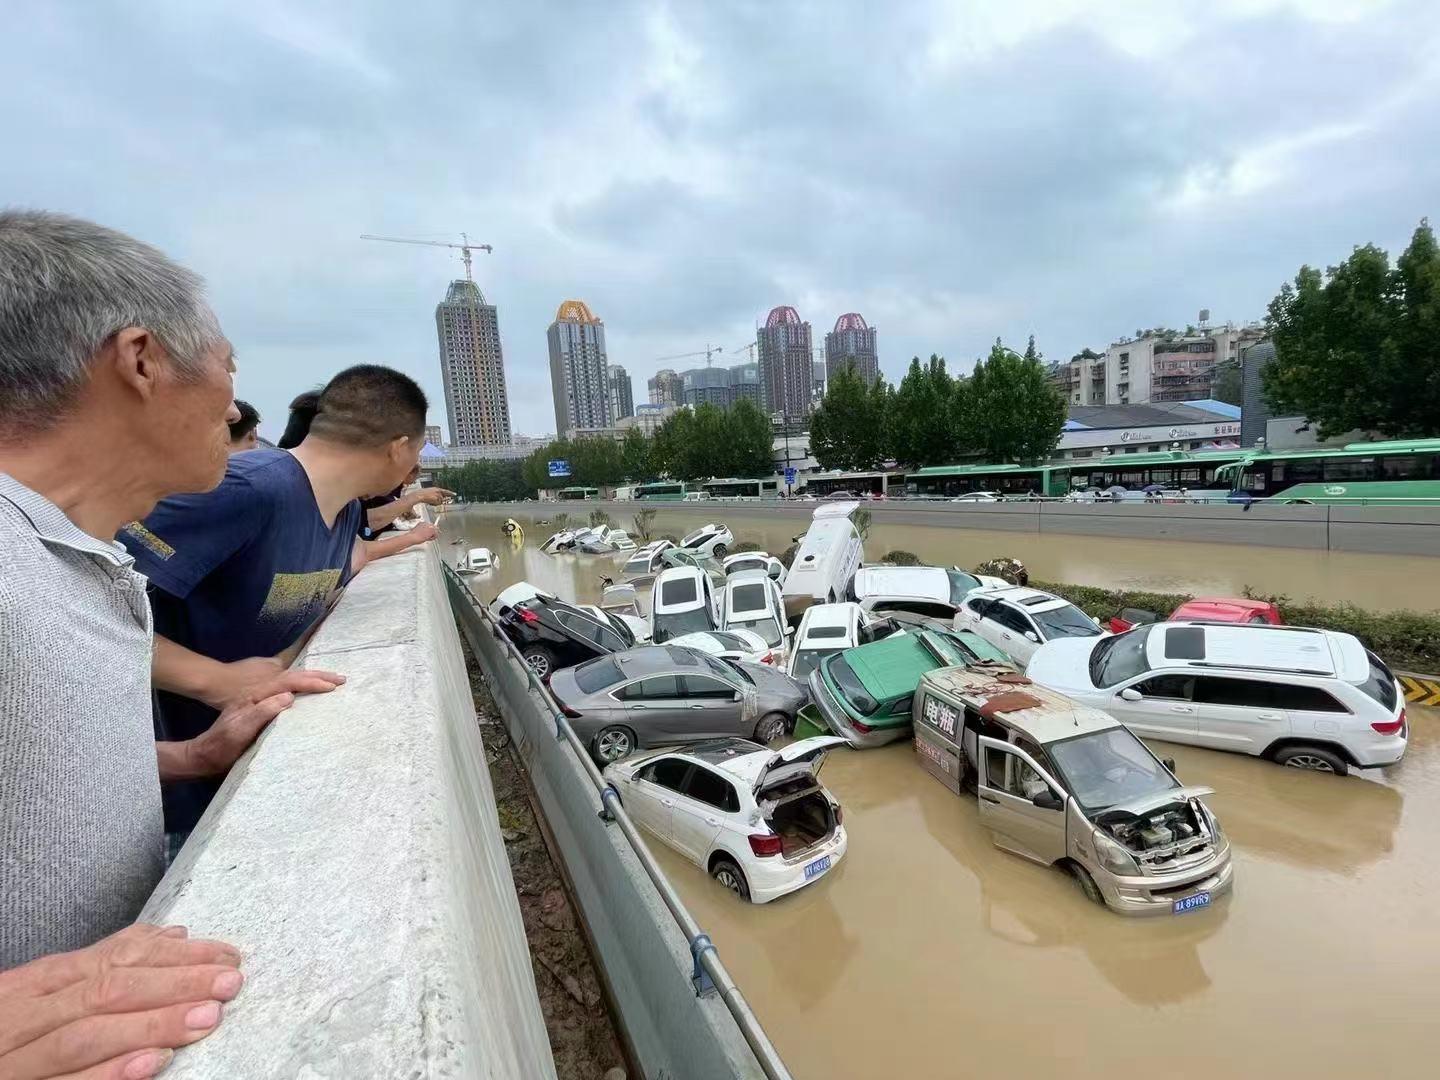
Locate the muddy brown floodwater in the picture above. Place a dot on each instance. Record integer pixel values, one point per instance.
(929, 952)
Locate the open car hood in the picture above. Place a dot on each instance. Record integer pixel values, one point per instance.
(1146, 803)
(797, 759)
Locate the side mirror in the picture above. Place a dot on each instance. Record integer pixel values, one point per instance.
(1131, 694)
(734, 695)
(1047, 800)
(1096, 622)
(1030, 635)
(1169, 763)
(789, 631)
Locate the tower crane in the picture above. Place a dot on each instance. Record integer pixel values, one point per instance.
(706, 352)
(748, 349)
(465, 247)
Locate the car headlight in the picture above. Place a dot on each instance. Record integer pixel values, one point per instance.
(1114, 857)
(1215, 830)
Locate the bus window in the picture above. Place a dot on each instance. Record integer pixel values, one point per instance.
(1350, 469)
(1405, 467)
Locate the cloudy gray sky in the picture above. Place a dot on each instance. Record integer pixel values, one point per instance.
(952, 171)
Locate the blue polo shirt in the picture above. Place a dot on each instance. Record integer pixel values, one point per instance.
(237, 572)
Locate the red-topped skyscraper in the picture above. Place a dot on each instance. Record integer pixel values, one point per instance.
(784, 356)
(852, 344)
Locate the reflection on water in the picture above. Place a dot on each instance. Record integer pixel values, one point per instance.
(928, 952)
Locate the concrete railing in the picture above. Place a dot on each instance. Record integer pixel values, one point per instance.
(354, 856)
(681, 1013)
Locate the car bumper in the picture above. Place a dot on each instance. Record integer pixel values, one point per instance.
(772, 878)
(1380, 751)
(838, 721)
(1156, 894)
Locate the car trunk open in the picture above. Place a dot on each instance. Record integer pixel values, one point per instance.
(791, 800)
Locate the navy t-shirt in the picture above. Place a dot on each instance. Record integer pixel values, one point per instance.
(237, 572)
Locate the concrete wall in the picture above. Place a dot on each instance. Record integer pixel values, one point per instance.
(674, 1034)
(354, 856)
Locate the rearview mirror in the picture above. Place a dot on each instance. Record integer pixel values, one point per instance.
(1047, 800)
(1030, 635)
(1131, 694)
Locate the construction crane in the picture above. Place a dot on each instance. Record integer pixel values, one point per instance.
(748, 349)
(706, 353)
(465, 247)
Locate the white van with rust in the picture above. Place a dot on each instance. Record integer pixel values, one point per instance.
(1063, 784)
(830, 553)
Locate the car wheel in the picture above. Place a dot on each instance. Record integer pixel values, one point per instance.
(1314, 758)
(540, 659)
(770, 728)
(614, 743)
(720, 551)
(728, 874)
(1086, 883)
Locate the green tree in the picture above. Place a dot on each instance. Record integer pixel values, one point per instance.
(1227, 384)
(752, 446)
(1087, 353)
(849, 429)
(635, 454)
(1010, 410)
(1360, 346)
(921, 429)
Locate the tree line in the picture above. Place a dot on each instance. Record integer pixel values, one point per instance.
(1005, 410)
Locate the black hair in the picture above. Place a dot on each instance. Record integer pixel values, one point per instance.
(302, 412)
(368, 405)
(248, 422)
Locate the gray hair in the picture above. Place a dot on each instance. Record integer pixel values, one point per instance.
(67, 286)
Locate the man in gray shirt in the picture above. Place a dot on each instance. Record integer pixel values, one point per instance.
(116, 387)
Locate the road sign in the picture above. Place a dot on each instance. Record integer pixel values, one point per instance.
(559, 468)
(789, 477)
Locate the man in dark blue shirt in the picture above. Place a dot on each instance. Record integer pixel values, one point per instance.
(240, 574)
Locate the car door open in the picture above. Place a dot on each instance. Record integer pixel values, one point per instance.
(1020, 802)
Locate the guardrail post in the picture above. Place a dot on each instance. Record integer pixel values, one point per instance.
(700, 977)
(607, 793)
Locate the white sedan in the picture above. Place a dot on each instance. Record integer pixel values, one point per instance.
(744, 645)
(713, 540)
(755, 819)
(752, 602)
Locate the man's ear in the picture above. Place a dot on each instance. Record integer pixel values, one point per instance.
(399, 448)
(136, 357)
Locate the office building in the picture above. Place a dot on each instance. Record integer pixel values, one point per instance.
(745, 382)
(433, 436)
(472, 367)
(579, 371)
(1153, 366)
(785, 364)
(852, 344)
(710, 384)
(666, 388)
(622, 393)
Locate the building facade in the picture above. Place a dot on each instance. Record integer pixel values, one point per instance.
(434, 437)
(786, 370)
(579, 370)
(666, 388)
(745, 382)
(852, 344)
(712, 384)
(622, 393)
(472, 367)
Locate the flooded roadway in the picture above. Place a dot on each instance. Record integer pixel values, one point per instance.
(930, 953)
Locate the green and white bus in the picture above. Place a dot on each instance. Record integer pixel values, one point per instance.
(1398, 472)
(875, 485)
(577, 494)
(1012, 481)
(732, 488)
(661, 491)
(1197, 472)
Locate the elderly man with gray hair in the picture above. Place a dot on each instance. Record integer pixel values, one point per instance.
(116, 387)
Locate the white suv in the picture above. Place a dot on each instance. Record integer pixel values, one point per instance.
(1312, 699)
(713, 540)
(1017, 621)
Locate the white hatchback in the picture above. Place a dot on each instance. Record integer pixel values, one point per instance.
(755, 819)
(752, 602)
(1017, 620)
(684, 601)
(824, 629)
(713, 540)
(1310, 699)
(743, 645)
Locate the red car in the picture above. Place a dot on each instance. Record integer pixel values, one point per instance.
(1215, 609)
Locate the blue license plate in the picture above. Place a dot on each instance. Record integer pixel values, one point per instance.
(818, 867)
(1190, 903)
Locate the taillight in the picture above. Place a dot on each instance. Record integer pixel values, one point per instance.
(768, 658)
(569, 712)
(765, 844)
(1391, 727)
(864, 729)
(528, 615)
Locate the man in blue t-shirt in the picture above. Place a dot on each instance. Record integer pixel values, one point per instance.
(240, 574)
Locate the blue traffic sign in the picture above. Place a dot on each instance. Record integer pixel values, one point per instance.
(789, 477)
(559, 468)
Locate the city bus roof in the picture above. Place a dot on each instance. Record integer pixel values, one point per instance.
(1360, 449)
(975, 470)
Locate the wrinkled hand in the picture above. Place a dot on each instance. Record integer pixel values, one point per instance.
(423, 533)
(431, 497)
(246, 682)
(212, 753)
(116, 1010)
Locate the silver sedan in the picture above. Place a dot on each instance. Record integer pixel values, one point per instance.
(664, 695)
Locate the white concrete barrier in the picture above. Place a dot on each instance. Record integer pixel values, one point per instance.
(355, 857)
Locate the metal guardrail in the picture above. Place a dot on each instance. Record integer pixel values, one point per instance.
(710, 974)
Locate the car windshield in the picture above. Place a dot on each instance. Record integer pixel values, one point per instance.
(745, 599)
(695, 537)
(1381, 684)
(676, 623)
(849, 684)
(683, 590)
(638, 566)
(961, 584)
(1118, 658)
(737, 670)
(766, 626)
(807, 660)
(620, 627)
(1067, 621)
(731, 642)
(595, 675)
(1108, 768)
(745, 564)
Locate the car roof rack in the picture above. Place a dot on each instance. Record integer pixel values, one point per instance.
(1255, 667)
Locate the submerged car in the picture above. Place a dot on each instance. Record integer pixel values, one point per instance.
(661, 695)
(922, 590)
(1309, 699)
(646, 560)
(752, 602)
(477, 560)
(755, 560)
(755, 819)
(1217, 609)
(744, 645)
(865, 694)
(713, 540)
(602, 540)
(683, 601)
(1063, 784)
(552, 634)
(1017, 620)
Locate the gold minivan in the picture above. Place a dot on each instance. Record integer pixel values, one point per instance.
(1064, 784)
